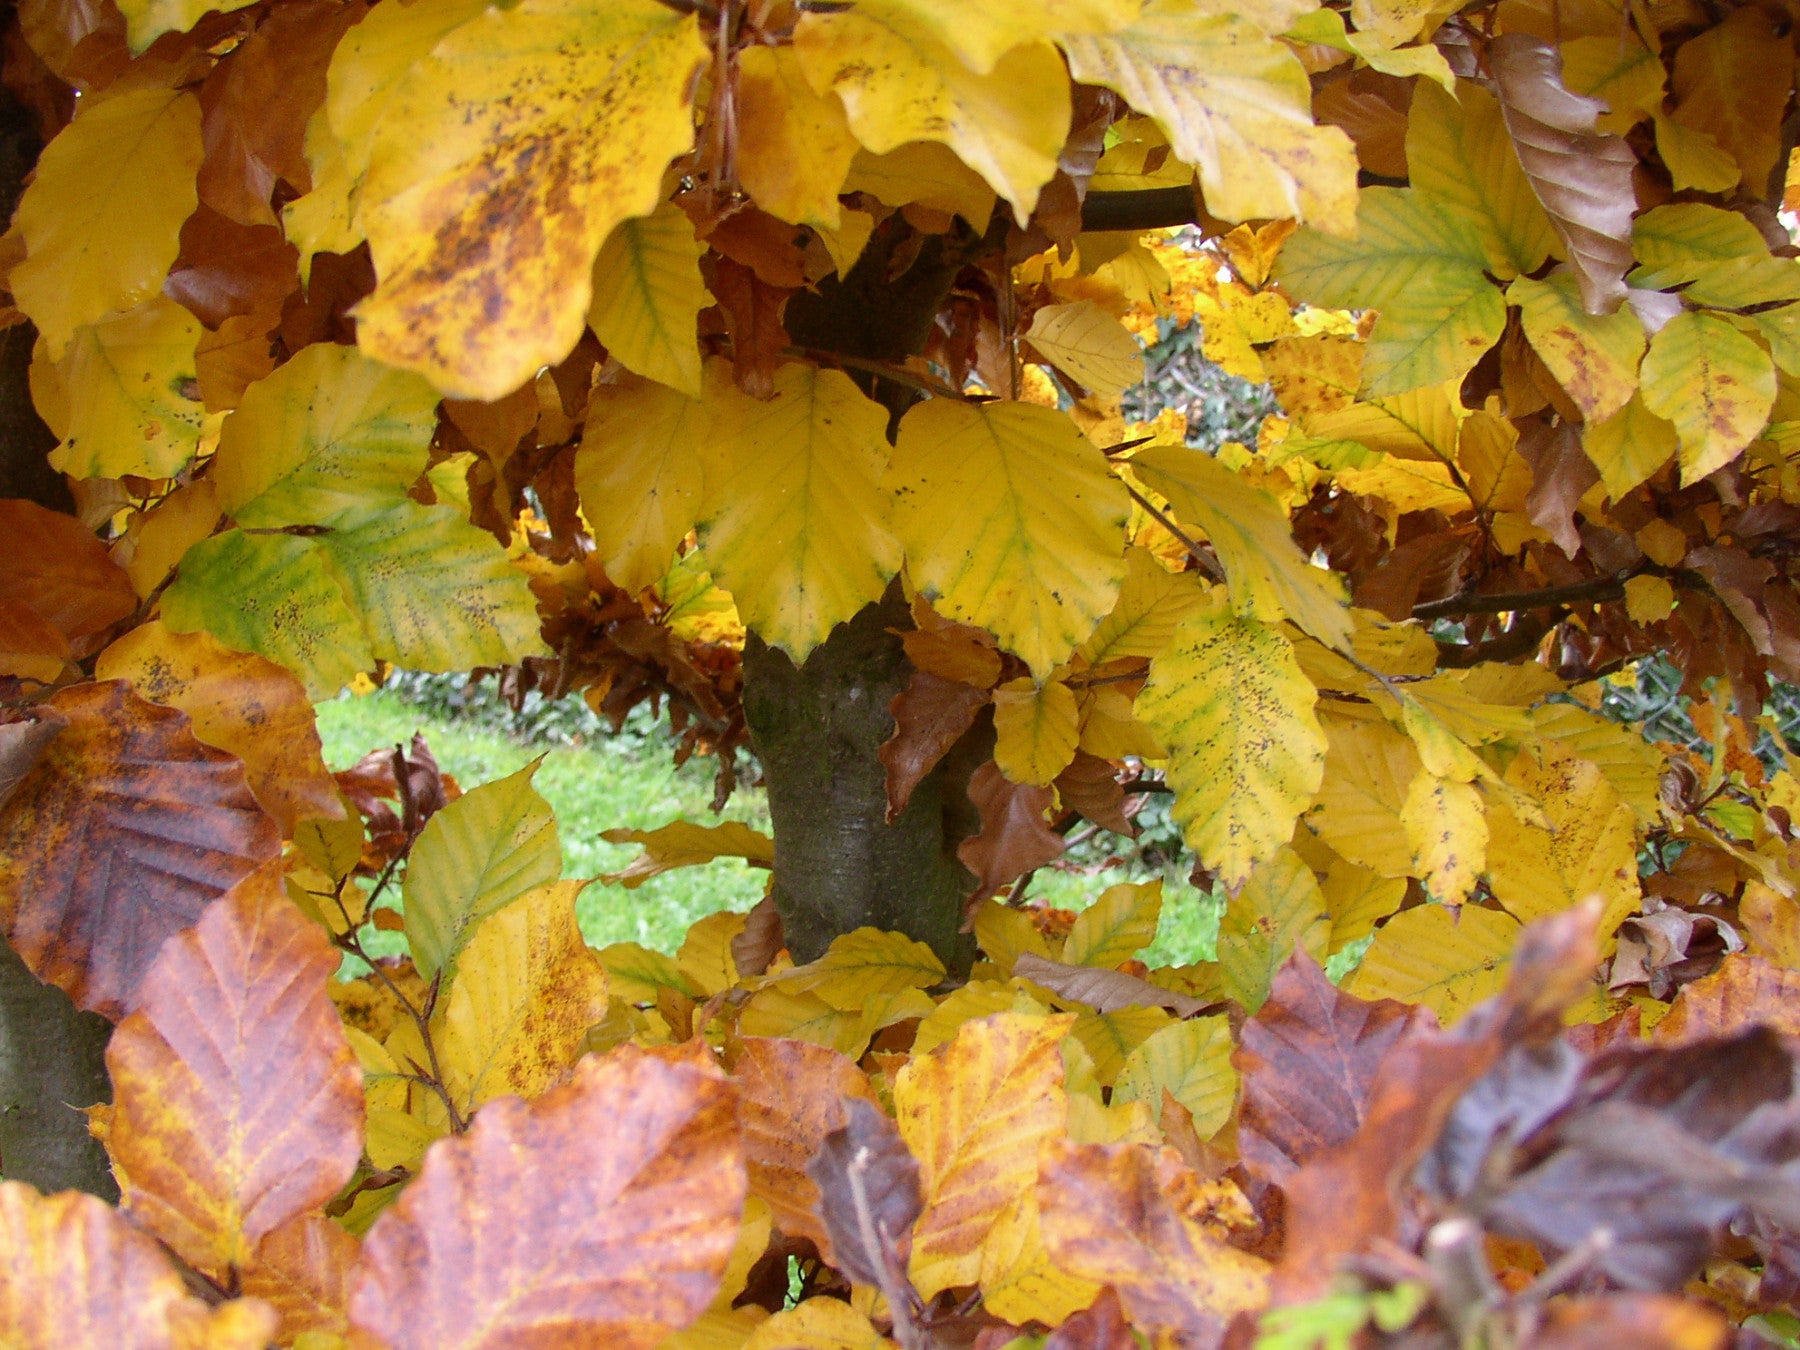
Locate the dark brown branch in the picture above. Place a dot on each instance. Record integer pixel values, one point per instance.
(1594, 588)
(1150, 209)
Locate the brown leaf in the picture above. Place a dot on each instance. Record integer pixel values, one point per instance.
(602, 1213)
(1013, 838)
(1561, 474)
(753, 317)
(1090, 785)
(57, 568)
(1425, 567)
(23, 743)
(869, 1195)
(1745, 991)
(1629, 1322)
(240, 353)
(237, 1102)
(1371, 109)
(930, 716)
(773, 249)
(1582, 178)
(303, 1270)
(760, 941)
(1099, 1326)
(1308, 1060)
(30, 647)
(83, 41)
(1123, 1214)
(256, 104)
(227, 269)
(1103, 990)
(123, 832)
(791, 1095)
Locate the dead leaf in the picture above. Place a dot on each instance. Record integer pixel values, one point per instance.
(1104, 990)
(1013, 838)
(868, 1184)
(1745, 991)
(930, 716)
(1090, 786)
(60, 571)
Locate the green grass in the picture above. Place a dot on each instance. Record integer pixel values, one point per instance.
(631, 782)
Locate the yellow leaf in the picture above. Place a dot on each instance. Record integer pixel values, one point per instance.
(500, 122)
(147, 20)
(683, 844)
(1631, 764)
(1618, 69)
(752, 1242)
(846, 243)
(1392, 22)
(327, 431)
(1247, 750)
(1357, 898)
(1693, 158)
(1368, 769)
(1590, 848)
(1448, 833)
(1011, 520)
(864, 965)
(1279, 909)
(1648, 599)
(705, 960)
(102, 218)
(1191, 1061)
(713, 1330)
(647, 294)
(927, 173)
(1716, 385)
(1236, 104)
(133, 399)
(1084, 341)
(1269, 578)
(1006, 933)
(1459, 152)
(1110, 1037)
(794, 146)
(797, 528)
(1731, 82)
(1118, 925)
(636, 974)
(1449, 962)
(1019, 1282)
(981, 36)
(974, 1112)
(901, 81)
(1421, 424)
(1594, 357)
(242, 704)
(527, 988)
(817, 1324)
(1037, 727)
(800, 1016)
(976, 999)
(477, 855)
(1629, 446)
(641, 471)
(1151, 602)
(164, 534)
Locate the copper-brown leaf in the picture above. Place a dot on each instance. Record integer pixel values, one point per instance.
(119, 836)
(1090, 785)
(303, 1271)
(1745, 991)
(869, 1195)
(1014, 838)
(602, 1213)
(1582, 178)
(60, 571)
(930, 715)
(22, 744)
(791, 1095)
(237, 1103)
(1308, 1060)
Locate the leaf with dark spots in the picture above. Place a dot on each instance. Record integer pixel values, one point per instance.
(1014, 839)
(930, 716)
(869, 1195)
(1103, 990)
(120, 835)
(1308, 1060)
(1582, 178)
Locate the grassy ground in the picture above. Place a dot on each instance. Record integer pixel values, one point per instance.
(632, 783)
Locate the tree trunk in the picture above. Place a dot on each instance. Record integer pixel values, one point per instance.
(838, 864)
(52, 1063)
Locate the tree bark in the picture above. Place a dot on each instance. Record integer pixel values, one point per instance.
(52, 1063)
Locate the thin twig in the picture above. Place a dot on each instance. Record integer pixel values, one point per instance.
(1208, 564)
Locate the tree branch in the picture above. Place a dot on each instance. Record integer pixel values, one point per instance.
(1594, 588)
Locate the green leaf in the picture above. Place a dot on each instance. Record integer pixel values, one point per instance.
(1279, 908)
(1458, 152)
(276, 595)
(479, 853)
(1192, 1062)
(434, 592)
(1246, 749)
(647, 294)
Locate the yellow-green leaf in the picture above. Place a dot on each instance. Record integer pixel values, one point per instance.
(1358, 898)
(328, 430)
(480, 853)
(1151, 602)
(863, 965)
(133, 398)
(797, 526)
(1118, 925)
(684, 844)
(1191, 1061)
(1247, 752)
(1084, 341)
(647, 294)
(1714, 384)
(1010, 520)
(1037, 727)
(1449, 961)
(147, 20)
(1621, 71)
(1280, 908)
(1594, 357)
(1235, 103)
(800, 1016)
(1269, 578)
(102, 218)
(1459, 153)
(635, 973)
(496, 173)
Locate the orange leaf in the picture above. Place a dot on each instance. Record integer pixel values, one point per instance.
(303, 1271)
(790, 1096)
(119, 836)
(57, 568)
(1745, 991)
(242, 704)
(602, 1213)
(237, 1102)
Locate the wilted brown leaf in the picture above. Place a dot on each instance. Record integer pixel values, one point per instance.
(1308, 1060)
(868, 1183)
(1582, 178)
(228, 270)
(791, 1095)
(1561, 474)
(1120, 1214)
(1014, 838)
(1103, 990)
(1745, 991)
(237, 1102)
(303, 1271)
(1090, 785)
(119, 836)
(1100, 1326)
(601, 1213)
(930, 715)
(761, 940)
(60, 571)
